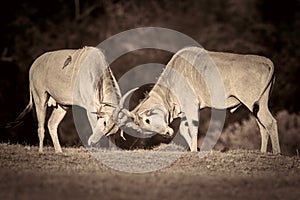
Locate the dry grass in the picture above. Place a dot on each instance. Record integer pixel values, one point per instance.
(76, 174)
(246, 134)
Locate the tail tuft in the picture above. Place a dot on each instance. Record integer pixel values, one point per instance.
(20, 118)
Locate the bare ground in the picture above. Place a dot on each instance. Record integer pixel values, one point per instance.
(76, 174)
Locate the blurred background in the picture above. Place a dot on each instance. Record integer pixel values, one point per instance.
(263, 27)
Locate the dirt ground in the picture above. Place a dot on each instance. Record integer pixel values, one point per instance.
(77, 174)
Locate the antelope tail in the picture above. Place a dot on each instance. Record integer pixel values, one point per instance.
(20, 118)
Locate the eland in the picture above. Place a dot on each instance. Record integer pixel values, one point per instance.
(64, 78)
(246, 80)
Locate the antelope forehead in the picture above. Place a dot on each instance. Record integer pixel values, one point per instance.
(158, 122)
(107, 111)
(157, 118)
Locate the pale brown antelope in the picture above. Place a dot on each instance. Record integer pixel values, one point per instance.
(72, 77)
(245, 79)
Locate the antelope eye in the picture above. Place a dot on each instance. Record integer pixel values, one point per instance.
(147, 121)
(104, 123)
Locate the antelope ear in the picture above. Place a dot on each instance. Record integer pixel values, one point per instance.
(181, 114)
(177, 112)
(170, 116)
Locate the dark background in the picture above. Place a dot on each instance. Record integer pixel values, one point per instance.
(29, 28)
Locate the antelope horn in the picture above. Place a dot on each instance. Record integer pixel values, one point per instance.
(122, 135)
(109, 104)
(123, 118)
(99, 114)
(123, 99)
(123, 115)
